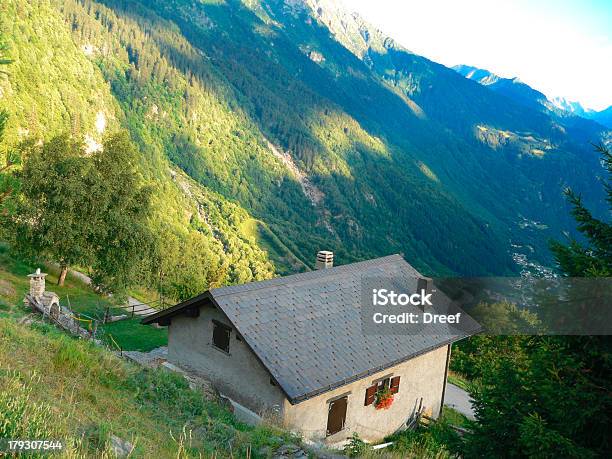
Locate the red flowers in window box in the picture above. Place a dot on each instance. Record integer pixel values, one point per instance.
(384, 399)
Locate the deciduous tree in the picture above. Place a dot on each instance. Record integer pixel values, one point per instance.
(86, 210)
(121, 236)
(54, 218)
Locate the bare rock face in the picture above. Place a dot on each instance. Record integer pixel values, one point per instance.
(121, 448)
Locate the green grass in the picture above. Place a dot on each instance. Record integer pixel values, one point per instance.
(59, 387)
(458, 380)
(131, 335)
(84, 394)
(14, 272)
(82, 300)
(454, 417)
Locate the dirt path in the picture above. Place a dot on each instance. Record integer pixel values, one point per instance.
(132, 303)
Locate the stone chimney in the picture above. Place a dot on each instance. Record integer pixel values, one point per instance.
(37, 283)
(424, 283)
(325, 259)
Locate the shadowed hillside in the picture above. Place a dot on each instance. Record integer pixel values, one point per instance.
(328, 137)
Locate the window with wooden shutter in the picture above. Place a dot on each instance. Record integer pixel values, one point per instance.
(395, 382)
(221, 336)
(370, 394)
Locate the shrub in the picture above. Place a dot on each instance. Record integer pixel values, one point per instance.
(356, 447)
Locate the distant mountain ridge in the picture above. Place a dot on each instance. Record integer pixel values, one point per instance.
(530, 97)
(283, 127)
(349, 28)
(603, 117)
(509, 87)
(569, 106)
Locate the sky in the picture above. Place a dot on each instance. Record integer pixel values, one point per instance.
(561, 48)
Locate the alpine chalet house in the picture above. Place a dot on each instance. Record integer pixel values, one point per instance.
(293, 348)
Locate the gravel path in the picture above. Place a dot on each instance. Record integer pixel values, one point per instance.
(457, 398)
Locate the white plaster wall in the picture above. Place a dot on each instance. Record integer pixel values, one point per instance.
(242, 377)
(238, 375)
(422, 376)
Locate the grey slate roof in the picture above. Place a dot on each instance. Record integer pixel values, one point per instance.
(306, 328)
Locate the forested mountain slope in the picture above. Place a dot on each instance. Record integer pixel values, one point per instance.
(297, 137)
(55, 85)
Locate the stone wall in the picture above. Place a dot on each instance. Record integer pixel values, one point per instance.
(48, 304)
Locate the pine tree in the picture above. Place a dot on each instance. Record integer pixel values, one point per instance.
(549, 396)
(593, 259)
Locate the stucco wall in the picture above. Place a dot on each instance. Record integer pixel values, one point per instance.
(243, 378)
(422, 376)
(238, 375)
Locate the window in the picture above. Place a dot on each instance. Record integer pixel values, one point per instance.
(370, 396)
(387, 383)
(221, 336)
(395, 384)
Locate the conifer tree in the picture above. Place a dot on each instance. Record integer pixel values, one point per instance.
(549, 396)
(593, 258)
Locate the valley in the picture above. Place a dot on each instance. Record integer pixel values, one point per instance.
(170, 154)
(381, 151)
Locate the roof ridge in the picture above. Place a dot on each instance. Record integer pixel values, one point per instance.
(317, 273)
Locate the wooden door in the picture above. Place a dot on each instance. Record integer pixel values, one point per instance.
(336, 416)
